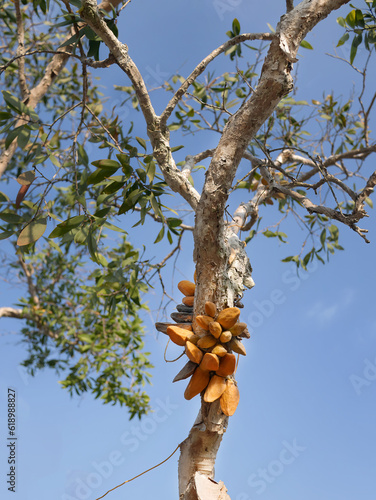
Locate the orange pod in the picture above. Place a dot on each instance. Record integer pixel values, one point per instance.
(215, 389)
(210, 308)
(238, 328)
(197, 384)
(178, 335)
(204, 321)
(215, 329)
(226, 336)
(188, 301)
(227, 365)
(219, 350)
(193, 352)
(230, 398)
(187, 287)
(228, 317)
(210, 362)
(206, 342)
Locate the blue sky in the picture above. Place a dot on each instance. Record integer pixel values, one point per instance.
(304, 427)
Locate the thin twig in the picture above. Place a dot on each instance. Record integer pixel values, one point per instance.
(138, 475)
(123, 6)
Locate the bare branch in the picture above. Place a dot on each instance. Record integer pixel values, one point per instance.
(289, 5)
(347, 219)
(11, 312)
(106, 63)
(30, 284)
(202, 66)
(189, 164)
(125, 4)
(89, 12)
(365, 192)
(158, 134)
(20, 50)
(355, 154)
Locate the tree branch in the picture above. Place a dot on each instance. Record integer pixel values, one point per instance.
(11, 312)
(275, 83)
(158, 134)
(90, 14)
(202, 66)
(20, 50)
(31, 287)
(289, 5)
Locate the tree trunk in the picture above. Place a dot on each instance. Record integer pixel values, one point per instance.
(198, 454)
(222, 266)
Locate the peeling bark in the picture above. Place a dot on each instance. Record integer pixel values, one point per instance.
(198, 453)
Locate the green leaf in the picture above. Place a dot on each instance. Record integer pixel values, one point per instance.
(235, 27)
(13, 134)
(91, 35)
(177, 148)
(173, 222)
(82, 155)
(32, 232)
(354, 47)
(155, 206)
(54, 160)
(160, 235)
(269, 234)
(92, 247)
(323, 237)
(108, 225)
(150, 171)
(141, 174)
(107, 163)
(26, 178)
(66, 226)
(306, 45)
(141, 142)
(85, 337)
(14, 103)
(351, 19)
(369, 202)
(100, 174)
(6, 234)
(11, 218)
(73, 39)
(3, 198)
(4, 116)
(288, 259)
(23, 137)
(343, 39)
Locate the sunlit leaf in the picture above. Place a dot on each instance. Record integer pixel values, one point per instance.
(141, 141)
(26, 178)
(32, 232)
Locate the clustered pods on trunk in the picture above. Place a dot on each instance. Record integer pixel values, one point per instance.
(210, 348)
